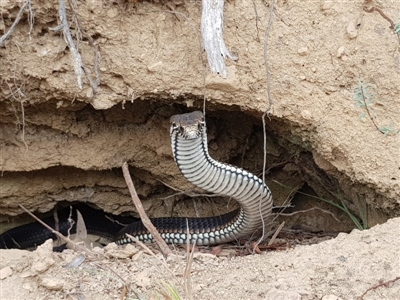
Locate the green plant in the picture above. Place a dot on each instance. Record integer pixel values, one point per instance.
(364, 97)
(397, 28)
(343, 207)
(169, 291)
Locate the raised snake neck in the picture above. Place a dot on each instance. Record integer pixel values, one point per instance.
(190, 151)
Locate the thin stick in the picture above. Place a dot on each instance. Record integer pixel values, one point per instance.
(16, 21)
(277, 231)
(76, 57)
(266, 113)
(145, 219)
(386, 283)
(310, 209)
(59, 235)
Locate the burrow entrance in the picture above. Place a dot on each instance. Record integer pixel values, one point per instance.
(74, 153)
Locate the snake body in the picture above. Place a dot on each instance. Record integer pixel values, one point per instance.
(190, 152)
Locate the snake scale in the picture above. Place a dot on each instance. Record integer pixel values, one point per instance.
(190, 151)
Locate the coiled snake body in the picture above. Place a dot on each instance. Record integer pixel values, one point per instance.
(190, 151)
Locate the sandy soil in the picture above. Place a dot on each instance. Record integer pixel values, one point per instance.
(55, 140)
(341, 268)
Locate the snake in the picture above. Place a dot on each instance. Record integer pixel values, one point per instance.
(190, 151)
(189, 146)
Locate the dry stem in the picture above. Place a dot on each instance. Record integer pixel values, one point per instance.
(58, 234)
(386, 283)
(144, 218)
(266, 113)
(310, 209)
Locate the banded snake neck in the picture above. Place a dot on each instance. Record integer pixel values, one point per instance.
(190, 152)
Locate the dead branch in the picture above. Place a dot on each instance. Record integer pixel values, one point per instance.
(386, 284)
(212, 25)
(58, 234)
(143, 216)
(16, 21)
(277, 231)
(75, 56)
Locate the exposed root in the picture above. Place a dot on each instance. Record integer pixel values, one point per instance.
(16, 21)
(75, 56)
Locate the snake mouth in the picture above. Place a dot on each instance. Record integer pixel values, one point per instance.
(189, 126)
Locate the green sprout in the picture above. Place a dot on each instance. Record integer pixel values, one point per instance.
(364, 97)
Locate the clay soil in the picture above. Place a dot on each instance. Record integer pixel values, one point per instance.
(62, 144)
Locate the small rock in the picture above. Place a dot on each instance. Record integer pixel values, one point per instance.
(351, 30)
(111, 246)
(306, 114)
(45, 249)
(303, 51)
(127, 252)
(156, 67)
(52, 284)
(5, 272)
(340, 52)
(143, 280)
(26, 274)
(42, 265)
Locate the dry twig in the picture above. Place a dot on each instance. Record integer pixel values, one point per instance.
(310, 209)
(144, 218)
(58, 234)
(386, 284)
(266, 113)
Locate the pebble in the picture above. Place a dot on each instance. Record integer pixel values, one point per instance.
(42, 265)
(303, 51)
(129, 251)
(340, 52)
(52, 284)
(351, 30)
(5, 272)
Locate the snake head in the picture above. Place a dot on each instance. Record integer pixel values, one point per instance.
(188, 126)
